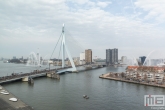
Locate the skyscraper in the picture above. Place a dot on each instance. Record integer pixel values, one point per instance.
(88, 56)
(111, 56)
(142, 59)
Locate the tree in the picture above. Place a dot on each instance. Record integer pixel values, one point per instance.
(116, 75)
(122, 74)
(145, 77)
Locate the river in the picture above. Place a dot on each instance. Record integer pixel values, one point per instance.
(67, 93)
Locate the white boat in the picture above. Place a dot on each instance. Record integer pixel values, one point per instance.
(13, 99)
(3, 90)
(84, 96)
(5, 93)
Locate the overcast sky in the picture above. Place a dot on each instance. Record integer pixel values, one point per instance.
(135, 27)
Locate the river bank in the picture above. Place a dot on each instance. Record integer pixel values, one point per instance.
(107, 76)
(6, 104)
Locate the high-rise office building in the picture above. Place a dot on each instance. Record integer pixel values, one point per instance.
(111, 56)
(142, 59)
(88, 56)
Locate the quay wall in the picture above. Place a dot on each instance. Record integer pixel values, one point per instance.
(6, 104)
(105, 76)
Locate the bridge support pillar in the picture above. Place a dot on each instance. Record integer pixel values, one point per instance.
(25, 78)
(100, 66)
(74, 71)
(52, 75)
(88, 67)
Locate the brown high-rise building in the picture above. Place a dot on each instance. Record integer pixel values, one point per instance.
(88, 56)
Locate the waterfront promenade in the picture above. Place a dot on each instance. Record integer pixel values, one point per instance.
(107, 76)
(6, 104)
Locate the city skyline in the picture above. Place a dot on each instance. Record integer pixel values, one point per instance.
(135, 27)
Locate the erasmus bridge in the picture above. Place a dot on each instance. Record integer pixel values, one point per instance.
(64, 48)
(53, 73)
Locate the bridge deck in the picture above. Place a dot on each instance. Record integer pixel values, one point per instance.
(36, 73)
(10, 78)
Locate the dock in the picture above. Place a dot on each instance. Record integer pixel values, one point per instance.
(6, 104)
(106, 76)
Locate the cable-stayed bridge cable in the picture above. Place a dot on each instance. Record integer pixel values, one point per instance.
(59, 54)
(56, 45)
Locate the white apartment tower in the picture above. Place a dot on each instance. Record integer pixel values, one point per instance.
(82, 58)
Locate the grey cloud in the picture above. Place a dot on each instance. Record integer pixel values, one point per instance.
(38, 24)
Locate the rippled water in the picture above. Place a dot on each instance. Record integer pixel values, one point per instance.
(67, 93)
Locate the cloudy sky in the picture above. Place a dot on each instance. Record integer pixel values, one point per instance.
(135, 27)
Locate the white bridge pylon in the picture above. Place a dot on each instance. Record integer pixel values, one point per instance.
(65, 48)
